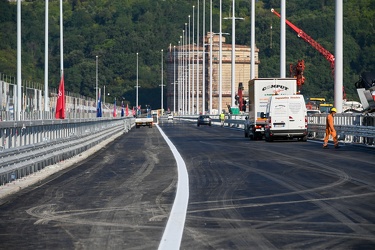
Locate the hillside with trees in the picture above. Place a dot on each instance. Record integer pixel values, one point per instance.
(115, 30)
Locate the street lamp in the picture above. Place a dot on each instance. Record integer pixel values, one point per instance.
(162, 108)
(137, 86)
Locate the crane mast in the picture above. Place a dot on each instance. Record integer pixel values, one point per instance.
(312, 42)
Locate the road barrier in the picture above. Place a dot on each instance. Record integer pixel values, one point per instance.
(42, 143)
(350, 127)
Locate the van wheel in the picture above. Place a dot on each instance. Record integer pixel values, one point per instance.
(268, 138)
(304, 139)
(258, 136)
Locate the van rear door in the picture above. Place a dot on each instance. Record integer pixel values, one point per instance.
(296, 112)
(279, 111)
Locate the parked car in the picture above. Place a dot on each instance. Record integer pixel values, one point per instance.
(204, 120)
(170, 117)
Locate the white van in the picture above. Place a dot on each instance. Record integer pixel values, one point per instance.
(286, 118)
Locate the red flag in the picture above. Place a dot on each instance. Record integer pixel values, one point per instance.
(60, 103)
(114, 109)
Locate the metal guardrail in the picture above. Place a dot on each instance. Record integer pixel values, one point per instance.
(350, 127)
(18, 162)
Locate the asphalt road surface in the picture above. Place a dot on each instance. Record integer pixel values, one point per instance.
(242, 195)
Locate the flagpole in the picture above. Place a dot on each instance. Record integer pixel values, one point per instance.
(61, 39)
(96, 85)
(46, 99)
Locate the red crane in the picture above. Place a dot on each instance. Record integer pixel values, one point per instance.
(312, 42)
(300, 33)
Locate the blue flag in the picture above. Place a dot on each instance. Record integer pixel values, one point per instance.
(99, 108)
(122, 109)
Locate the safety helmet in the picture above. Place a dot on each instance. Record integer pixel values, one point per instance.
(333, 110)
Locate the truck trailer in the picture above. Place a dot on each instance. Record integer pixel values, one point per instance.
(260, 90)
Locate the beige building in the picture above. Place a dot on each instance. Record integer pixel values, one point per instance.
(185, 69)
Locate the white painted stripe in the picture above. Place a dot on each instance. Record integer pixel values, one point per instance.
(172, 235)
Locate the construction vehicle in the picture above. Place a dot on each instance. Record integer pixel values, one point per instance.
(296, 71)
(300, 33)
(318, 103)
(260, 90)
(239, 100)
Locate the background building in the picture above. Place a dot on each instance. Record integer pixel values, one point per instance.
(182, 67)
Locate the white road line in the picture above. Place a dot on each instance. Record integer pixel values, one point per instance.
(172, 235)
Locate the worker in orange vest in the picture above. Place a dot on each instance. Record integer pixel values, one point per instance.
(330, 129)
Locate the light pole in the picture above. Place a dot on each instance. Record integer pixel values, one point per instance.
(220, 69)
(204, 61)
(46, 99)
(193, 73)
(197, 105)
(252, 56)
(136, 87)
(162, 108)
(220, 60)
(233, 52)
(174, 79)
(211, 37)
(179, 76)
(189, 78)
(183, 72)
(282, 41)
(186, 70)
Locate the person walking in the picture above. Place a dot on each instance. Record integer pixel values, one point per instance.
(222, 118)
(330, 129)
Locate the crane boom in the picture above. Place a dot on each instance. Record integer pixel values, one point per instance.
(312, 42)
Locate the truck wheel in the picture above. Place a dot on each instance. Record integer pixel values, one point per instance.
(304, 139)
